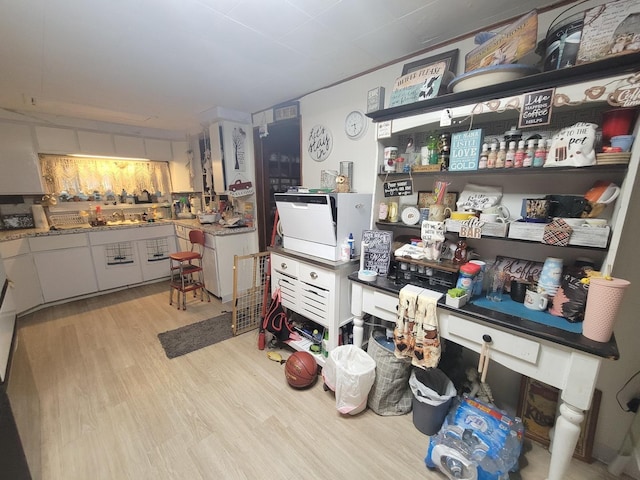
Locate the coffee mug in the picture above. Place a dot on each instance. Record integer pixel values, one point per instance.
(461, 215)
(603, 192)
(501, 210)
(437, 213)
(535, 209)
(491, 218)
(519, 290)
(536, 301)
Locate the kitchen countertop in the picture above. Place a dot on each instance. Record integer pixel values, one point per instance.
(522, 325)
(213, 229)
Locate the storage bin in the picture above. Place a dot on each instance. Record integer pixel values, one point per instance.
(432, 397)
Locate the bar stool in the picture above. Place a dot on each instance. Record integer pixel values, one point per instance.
(186, 270)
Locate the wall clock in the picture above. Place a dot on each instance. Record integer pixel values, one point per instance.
(355, 124)
(320, 143)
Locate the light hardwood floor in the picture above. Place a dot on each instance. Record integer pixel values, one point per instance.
(95, 397)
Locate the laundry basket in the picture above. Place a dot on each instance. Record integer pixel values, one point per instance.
(350, 373)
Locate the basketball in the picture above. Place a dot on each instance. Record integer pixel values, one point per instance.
(301, 370)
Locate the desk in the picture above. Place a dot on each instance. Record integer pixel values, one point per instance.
(565, 360)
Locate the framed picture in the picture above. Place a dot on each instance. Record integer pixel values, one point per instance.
(450, 58)
(375, 99)
(537, 407)
(426, 199)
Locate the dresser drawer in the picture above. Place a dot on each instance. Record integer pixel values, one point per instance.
(316, 276)
(284, 265)
(380, 304)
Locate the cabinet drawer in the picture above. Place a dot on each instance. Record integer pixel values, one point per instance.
(314, 302)
(316, 276)
(518, 347)
(288, 287)
(380, 305)
(55, 242)
(13, 248)
(284, 265)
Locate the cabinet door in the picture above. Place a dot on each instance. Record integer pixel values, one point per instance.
(288, 289)
(65, 273)
(210, 265)
(227, 246)
(95, 143)
(158, 149)
(7, 325)
(117, 265)
(57, 140)
(21, 270)
(154, 257)
(129, 146)
(18, 161)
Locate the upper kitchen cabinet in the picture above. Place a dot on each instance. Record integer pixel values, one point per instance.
(18, 161)
(186, 174)
(95, 143)
(158, 149)
(129, 146)
(57, 140)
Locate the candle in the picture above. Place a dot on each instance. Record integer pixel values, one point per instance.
(362, 247)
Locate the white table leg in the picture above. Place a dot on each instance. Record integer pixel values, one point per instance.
(565, 438)
(358, 314)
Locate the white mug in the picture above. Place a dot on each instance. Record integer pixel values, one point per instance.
(536, 301)
(501, 210)
(492, 218)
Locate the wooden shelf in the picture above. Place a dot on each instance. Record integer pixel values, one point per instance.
(554, 78)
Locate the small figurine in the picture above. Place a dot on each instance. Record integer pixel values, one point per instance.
(342, 184)
(460, 255)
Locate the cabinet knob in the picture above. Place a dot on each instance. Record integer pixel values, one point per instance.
(283, 266)
(313, 275)
(487, 338)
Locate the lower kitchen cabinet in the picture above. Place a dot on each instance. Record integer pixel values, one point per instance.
(116, 265)
(154, 256)
(64, 266)
(21, 271)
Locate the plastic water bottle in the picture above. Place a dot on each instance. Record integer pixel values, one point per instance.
(352, 246)
(325, 343)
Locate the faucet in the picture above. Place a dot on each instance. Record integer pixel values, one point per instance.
(118, 216)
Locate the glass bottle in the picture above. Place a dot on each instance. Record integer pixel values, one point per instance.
(493, 154)
(518, 161)
(444, 148)
(529, 153)
(510, 157)
(502, 155)
(540, 155)
(482, 162)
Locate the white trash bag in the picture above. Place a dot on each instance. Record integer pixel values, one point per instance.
(350, 373)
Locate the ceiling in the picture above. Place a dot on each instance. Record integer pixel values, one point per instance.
(177, 64)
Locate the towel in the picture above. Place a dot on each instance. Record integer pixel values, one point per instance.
(417, 334)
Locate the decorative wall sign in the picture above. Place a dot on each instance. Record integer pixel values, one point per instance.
(238, 137)
(320, 143)
(422, 84)
(465, 150)
(375, 99)
(377, 253)
(610, 30)
(536, 108)
(384, 130)
(398, 189)
(626, 95)
(241, 187)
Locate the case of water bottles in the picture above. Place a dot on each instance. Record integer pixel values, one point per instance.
(476, 442)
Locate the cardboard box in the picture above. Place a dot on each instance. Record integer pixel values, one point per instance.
(581, 236)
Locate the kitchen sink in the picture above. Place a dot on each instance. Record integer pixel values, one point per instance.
(123, 222)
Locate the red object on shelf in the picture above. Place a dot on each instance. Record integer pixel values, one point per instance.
(617, 122)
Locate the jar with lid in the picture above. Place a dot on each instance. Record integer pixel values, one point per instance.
(466, 276)
(444, 147)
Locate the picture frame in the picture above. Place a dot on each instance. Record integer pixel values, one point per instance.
(375, 99)
(426, 199)
(450, 58)
(537, 406)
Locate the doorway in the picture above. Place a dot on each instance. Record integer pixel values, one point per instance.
(277, 168)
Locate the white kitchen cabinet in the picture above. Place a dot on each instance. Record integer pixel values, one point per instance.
(7, 321)
(158, 149)
(227, 247)
(154, 255)
(210, 265)
(116, 264)
(21, 270)
(317, 290)
(65, 266)
(181, 168)
(132, 147)
(57, 140)
(18, 161)
(96, 143)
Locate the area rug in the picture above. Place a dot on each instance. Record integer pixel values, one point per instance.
(198, 335)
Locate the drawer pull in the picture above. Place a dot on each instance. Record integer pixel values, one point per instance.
(487, 338)
(313, 275)
(283, 266)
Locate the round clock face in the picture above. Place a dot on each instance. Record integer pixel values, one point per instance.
(320, 143)
(355, 124)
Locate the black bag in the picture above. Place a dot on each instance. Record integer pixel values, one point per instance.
(276, 320)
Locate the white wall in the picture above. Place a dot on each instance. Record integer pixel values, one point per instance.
(330, 106)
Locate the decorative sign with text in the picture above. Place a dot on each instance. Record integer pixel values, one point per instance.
(398, 189)
(422, 84)
(465, 150)
(536, 108)
(377, 251)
